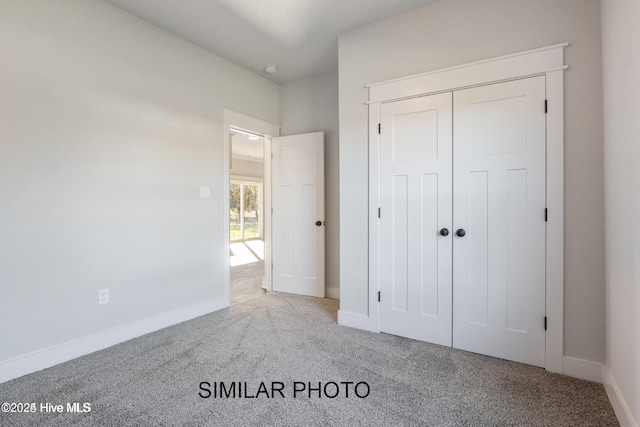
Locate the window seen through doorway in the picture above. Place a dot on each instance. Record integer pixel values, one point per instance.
(245, 211)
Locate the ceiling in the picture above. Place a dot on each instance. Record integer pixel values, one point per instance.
(248, 149)
(299, 36)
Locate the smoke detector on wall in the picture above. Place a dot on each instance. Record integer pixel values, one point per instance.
(270, 69)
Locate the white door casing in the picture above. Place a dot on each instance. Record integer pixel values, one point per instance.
(545, 61)
(499, 201)
(298, 204)
(415, 200)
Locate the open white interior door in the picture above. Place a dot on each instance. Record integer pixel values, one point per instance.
(298, 214)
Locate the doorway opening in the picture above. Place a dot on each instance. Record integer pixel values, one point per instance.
(246, 215)
(247, 160)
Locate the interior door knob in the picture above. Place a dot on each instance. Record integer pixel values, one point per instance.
(318, 223)
(444, 232)
(461, 232)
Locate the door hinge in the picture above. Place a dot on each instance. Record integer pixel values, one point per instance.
(545, 323)
(546, 106)
(378, 296)
(546, 214)
(378, 212)
(379, 128)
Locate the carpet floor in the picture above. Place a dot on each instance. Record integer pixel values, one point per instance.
(288, 341)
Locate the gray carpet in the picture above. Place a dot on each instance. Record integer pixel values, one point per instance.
(154, 379)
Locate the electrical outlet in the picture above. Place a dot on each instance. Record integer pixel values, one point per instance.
(103, 296)
(205, 192)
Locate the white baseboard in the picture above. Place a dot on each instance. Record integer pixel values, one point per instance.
(618, 402)
(333, 293)
(358, 321)
(45, 358)
(583, 369)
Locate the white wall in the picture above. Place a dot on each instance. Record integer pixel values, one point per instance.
(456, 32)
(311, 105)
(621, 68)
(108, 126)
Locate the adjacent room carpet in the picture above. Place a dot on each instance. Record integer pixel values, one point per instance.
(154, 379)
(246, 282)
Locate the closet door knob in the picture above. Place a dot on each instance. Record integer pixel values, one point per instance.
(444, 232)
(461, 232)
(318, 223)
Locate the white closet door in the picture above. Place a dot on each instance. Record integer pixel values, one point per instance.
(298, 214)
(415, 201)
(499, 201)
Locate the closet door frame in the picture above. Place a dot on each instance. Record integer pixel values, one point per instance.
(546, 61)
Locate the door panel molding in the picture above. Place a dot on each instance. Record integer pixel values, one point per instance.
(546, 61)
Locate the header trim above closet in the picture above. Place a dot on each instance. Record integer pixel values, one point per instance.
(530, 63)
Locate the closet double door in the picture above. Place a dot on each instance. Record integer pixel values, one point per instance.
(462, 219)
